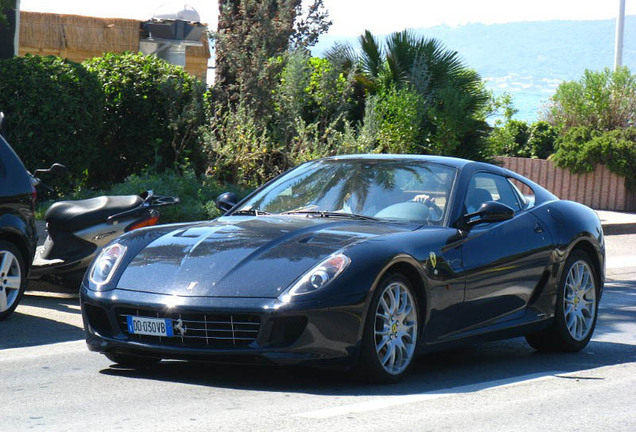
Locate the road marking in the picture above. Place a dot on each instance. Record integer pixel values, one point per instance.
(614, 262)
(382, 402)
(26, 353)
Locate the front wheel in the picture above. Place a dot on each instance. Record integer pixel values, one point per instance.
(391, 330)
(12, 278)
(576, 308)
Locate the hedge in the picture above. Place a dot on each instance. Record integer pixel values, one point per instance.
(153, 111)
(54, 111)
(581, 148)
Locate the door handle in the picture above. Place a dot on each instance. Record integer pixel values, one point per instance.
(538, 229)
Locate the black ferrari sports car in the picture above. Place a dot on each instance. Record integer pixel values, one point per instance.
(355, 262)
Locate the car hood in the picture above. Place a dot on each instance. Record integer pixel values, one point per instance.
(243, 256)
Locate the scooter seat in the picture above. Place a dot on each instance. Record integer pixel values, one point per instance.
(73, 216)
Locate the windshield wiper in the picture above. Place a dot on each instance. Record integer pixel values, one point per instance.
(253, 212)
(333, 214)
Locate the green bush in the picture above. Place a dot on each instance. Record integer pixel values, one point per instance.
(241, 151)
(398, 115)
(310, 90)
(519, 139)
(580, 149)
(153, 112)
(54, 111)
(511, 139)
(197, 193)
(330, 91)
(601, 101)
(542, 139)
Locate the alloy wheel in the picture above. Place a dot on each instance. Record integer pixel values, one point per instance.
(579, 300)
(10, 279)
(395, 328)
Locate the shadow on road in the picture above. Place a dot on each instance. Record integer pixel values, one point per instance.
(58, 320)
(459, 367)
(616, 308)
(51, 324)
(434, 372)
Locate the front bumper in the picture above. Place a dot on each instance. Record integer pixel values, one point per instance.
(325, 332)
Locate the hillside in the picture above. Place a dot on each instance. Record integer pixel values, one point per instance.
(529, 59)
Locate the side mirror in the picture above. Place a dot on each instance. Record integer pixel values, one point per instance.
(226, 201)
(490, 211)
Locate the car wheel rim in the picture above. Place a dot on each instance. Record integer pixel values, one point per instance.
(579, 300)
(10, 279)
(395, 328)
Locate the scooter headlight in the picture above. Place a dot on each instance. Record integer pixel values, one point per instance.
(318, 277)
(105, 265)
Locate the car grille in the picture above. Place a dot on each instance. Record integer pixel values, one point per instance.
(201, 330)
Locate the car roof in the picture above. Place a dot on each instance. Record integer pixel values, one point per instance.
(445, 160)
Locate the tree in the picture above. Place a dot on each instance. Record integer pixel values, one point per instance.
(453, 96)
(602, 101)
(7, 28)
(250, 33)
(310, 24)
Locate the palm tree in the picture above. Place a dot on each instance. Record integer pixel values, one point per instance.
(454, 95)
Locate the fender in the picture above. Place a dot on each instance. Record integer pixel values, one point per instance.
(20, 232)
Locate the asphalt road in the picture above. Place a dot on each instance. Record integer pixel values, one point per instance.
(50, 382)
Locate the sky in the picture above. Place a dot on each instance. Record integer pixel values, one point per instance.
(352, 17)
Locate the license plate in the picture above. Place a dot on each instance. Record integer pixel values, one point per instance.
(149, 326)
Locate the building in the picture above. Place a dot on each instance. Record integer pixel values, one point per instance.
(79, 38)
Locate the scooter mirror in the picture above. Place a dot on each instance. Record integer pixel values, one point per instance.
(58, 170)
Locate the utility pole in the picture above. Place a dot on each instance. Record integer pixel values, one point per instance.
(618, 50)
(16, 40)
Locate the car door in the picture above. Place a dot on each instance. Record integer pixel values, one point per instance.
(504, 261)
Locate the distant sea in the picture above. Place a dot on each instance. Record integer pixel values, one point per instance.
(528, 59)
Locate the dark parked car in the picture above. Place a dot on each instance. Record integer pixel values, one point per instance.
(18, 235)
(355, 261)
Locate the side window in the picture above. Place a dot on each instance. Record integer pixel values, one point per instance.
(525, 192)
(490, 187)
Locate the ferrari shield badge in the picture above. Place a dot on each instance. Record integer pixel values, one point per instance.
(432, 258)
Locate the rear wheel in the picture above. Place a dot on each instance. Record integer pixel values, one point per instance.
(391, 329)
(132, 361)
(12, 278)
(576, 308)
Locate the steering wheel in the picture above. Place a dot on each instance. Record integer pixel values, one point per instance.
(408, 210)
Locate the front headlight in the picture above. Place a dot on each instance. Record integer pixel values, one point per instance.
(319, 276)
(105, 265)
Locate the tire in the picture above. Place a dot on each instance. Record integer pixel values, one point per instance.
(132, 361)
(12, 278)
(576, 308)
(390, 333)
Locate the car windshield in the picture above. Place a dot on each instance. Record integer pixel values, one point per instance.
(396, 189)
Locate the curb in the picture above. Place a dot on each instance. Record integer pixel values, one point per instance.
(619, 228)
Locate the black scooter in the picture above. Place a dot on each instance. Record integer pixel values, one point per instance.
(76, 230)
